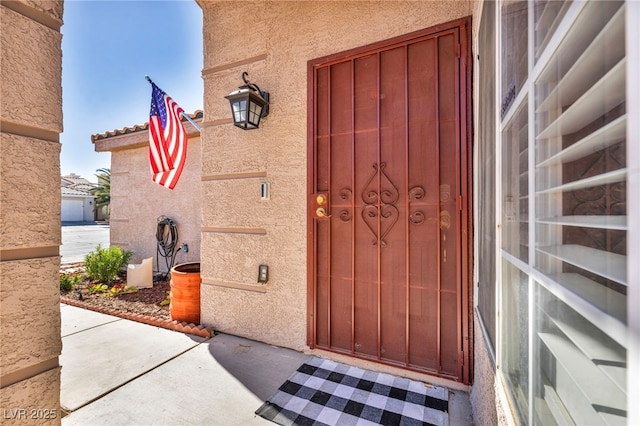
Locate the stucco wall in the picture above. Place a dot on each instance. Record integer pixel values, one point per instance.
(273, 41)
(31, 66)
(488, 402)
(31, 120)
(26, 166)
(137, 202)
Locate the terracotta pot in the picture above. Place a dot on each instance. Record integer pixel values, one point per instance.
(185, 293)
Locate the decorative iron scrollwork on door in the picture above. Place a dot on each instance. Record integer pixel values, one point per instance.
(379, 212)
(416, 217)
(345, 214)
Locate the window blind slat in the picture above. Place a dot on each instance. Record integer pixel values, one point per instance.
(614, 176)
(606, 264)
(586, 70)
(608, 92)
(600, 222)
(609, 358)
(605, 299)
(602, 138)
(590, 387)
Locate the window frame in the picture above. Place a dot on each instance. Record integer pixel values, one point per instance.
(527, 94)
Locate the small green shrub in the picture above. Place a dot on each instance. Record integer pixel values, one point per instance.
(121, 289)
(166, 301)
(69, 281)
(98, 288)
(103, 265)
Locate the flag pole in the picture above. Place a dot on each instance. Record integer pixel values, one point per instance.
(189, 119)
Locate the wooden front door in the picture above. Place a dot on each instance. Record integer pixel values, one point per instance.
(388, 222)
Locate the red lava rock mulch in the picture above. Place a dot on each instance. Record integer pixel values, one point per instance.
(142, 306)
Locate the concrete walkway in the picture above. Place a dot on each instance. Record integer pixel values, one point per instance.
(120, 372)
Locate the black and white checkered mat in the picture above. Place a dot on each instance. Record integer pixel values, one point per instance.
(324, 392)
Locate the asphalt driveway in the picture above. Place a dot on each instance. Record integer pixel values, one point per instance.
(81, 238)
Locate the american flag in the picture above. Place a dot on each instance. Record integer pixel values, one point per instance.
(167, 139)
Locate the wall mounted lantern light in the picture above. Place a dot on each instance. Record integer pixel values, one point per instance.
(248, 105)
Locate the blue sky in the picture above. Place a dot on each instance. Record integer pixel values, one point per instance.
(107, 49)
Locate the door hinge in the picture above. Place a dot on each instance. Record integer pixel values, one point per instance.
(458, 50)
(460, 202)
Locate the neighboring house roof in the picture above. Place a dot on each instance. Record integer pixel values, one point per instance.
(73, 192)
(74, 185)
(198, 114)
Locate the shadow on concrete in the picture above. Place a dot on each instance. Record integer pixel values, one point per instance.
(260, 367)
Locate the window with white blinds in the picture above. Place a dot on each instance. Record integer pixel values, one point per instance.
(581, 222)
(564, 213)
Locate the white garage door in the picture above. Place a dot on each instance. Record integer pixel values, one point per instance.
(72, 210)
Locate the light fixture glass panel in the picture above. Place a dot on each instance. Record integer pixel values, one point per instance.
(239, 111)
(254, 113)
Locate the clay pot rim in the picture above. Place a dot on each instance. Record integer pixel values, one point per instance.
(186, 268)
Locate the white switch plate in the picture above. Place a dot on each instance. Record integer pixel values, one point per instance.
(263, 274)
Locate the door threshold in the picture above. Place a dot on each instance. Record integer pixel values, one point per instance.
(390, 369)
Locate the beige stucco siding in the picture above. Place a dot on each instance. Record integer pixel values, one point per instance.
(31, 66)
(32, 396)
(273, 41)
(30, 123)
(30, 313)
(488, 399)
(137, 202)
(25, 161)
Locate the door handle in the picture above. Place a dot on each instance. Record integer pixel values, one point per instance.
(321, 212)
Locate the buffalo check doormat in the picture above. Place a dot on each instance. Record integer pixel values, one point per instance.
(323, 392)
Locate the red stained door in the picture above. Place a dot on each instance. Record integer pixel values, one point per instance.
(387, 202)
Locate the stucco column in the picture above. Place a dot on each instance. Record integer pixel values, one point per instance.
(30, 123)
